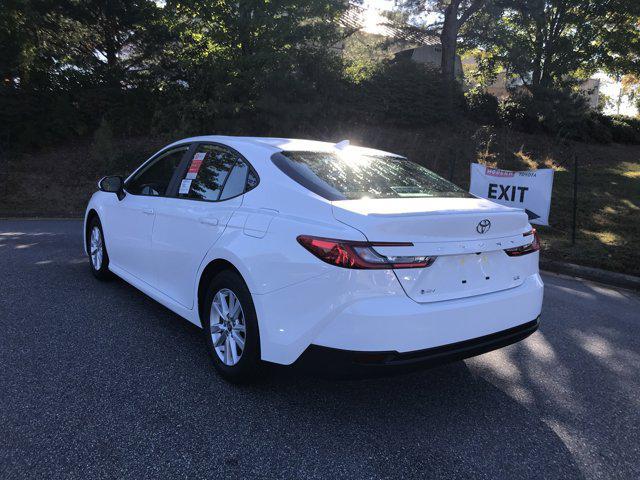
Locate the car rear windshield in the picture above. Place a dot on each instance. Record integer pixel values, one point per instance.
(352, 176)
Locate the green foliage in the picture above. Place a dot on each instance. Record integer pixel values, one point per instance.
(363, 54)
(185, 66)
(482, 106)
(558, 112)
(83, 68)
(547, 43)
(403, 92)
(623, 129)
(562, 113)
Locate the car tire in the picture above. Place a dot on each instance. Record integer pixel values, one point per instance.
(231, 333)
(98, 256)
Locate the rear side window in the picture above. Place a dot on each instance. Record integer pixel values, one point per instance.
(236, 181)
(214, 173)
(351, 176)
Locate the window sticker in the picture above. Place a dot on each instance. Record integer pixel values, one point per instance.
(185, 186)
(196, 163)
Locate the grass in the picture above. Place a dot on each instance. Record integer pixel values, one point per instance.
(60, 181)
(608, 226)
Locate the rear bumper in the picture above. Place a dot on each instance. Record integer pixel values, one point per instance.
(348, 363)
(367, 311)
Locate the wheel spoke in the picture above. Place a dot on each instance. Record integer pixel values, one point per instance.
(218, 308)
(227, 352)
(224, 303)
(236, 338)
(235, 309)
(239, 328)
(234, 350)
(220, 340)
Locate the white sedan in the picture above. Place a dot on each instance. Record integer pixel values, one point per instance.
(296, 251)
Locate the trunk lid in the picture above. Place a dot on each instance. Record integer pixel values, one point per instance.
(468, 235)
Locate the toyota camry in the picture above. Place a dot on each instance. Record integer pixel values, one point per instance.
(329, 255)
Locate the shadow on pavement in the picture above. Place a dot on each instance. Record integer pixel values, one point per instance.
(100, 378)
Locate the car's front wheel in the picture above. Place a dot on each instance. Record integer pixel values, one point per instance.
(231, 328)
(98, 256)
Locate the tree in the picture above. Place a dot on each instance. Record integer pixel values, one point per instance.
(629, 89)
(111, 40)
(454, 15)
(233, 59)
(547, 43)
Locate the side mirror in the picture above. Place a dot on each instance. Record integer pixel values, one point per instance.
(112, 184)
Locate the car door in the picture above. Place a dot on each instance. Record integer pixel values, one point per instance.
(189, 222)
(129, 222)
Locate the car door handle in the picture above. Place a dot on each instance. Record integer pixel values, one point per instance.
(209, 221)
(147, 211)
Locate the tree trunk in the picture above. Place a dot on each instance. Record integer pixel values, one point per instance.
(449, 41)
(538, 58)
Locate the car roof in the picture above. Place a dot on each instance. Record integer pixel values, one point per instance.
(272, 145)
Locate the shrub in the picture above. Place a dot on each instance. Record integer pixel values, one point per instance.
(516, 112)
(598, 128)
(561, 112)
(404, 92)
(482, 106)
(624, 129)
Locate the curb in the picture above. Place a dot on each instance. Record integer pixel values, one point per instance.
(595, 274)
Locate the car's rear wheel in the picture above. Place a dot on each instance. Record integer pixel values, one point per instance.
(98, 256)
(231, 328)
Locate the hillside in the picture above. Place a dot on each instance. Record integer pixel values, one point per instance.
(58, 182)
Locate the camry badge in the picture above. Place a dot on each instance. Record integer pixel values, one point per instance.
(484, 226)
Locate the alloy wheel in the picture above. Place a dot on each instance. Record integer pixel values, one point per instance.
(228, 328)
(96, 248)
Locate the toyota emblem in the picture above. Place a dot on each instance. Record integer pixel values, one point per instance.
(484, 226)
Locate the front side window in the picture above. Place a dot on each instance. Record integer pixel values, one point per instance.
(214, 173)
(351, 176)
(154, 178)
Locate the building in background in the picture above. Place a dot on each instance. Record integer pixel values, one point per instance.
(419, 46)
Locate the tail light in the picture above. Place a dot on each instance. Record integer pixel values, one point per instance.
(534, 246)
(361, 255)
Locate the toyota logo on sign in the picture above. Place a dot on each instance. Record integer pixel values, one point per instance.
(484, 226)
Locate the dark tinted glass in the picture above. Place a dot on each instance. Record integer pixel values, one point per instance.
(207, 172)
(350, 176)
(252, 180)
(154, 178)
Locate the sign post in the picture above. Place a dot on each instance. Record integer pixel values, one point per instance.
(529, 190)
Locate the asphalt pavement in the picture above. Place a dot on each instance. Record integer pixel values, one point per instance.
(99, 381)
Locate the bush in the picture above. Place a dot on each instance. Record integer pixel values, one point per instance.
(624, 129)
(515, 112)
(562, 113)
(404, 92)
(598, 128)
(482, 106)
